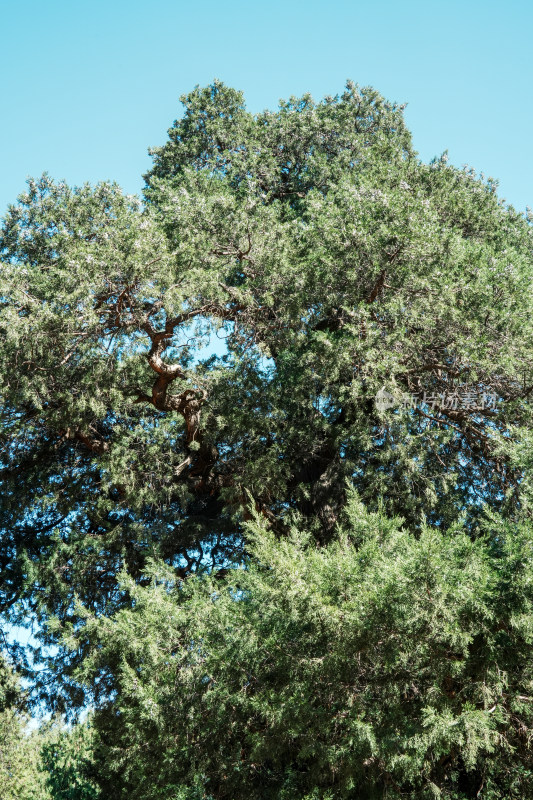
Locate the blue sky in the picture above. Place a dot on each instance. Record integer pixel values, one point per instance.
(88, 87)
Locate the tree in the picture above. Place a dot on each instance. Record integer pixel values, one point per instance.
(68, 762)
(22, 776)
(380, 665)
(46, 762)
(335, 265)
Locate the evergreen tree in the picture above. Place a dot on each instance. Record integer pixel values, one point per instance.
(68, 761)
(22, 776)
(376, 318)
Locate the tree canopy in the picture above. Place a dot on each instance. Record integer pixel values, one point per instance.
(298, 309)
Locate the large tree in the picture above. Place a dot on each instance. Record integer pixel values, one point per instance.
(332, 264)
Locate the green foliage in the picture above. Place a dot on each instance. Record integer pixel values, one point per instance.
(46, 762)
(381, 665)
(365, 660)
(21, 773)
(334, 263)
(22, 776)
(68, 761)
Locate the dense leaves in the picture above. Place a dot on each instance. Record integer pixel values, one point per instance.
(22, 776)
(46, 762)
(381, 665)
(68, 762)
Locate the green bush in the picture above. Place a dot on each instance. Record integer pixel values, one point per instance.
(383, 665)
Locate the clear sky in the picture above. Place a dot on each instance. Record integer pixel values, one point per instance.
(87, 87)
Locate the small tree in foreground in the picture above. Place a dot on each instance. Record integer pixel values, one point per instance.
(22, 776)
